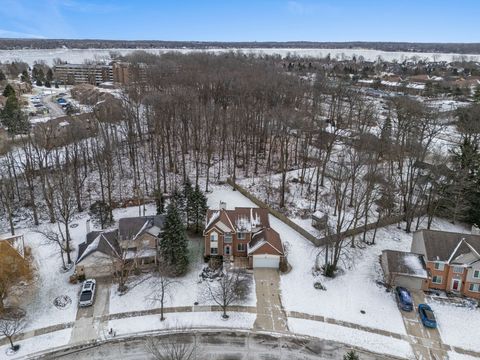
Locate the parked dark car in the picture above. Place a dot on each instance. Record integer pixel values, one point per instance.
(404, 298)
(427, 316)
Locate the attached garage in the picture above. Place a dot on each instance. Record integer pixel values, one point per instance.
(265, 250)
(404, 269)
(266, 261)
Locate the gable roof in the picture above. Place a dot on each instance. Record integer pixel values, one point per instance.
(449, 246)
(241, 219)
(104, 242)
(268, 237)
(132, 227)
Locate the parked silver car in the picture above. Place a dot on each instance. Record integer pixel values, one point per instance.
(87, 294)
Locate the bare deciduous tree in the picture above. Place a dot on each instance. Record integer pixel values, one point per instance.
(232, 286)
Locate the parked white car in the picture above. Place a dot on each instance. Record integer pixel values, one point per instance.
(87, 294)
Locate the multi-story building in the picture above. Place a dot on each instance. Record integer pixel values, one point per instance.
(452, 260)
(243, 233)
(94, 74)
(126, 73)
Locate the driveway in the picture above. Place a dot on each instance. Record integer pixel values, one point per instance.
(85, 328)
(426, 343)
(270, 313)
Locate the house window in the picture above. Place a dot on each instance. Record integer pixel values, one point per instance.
(476, 274)
(439, 266)
(241, 236)
(458, 269)
(241, 247)
(213, 251)
(474, 287)
(213, 236)
(437, 279)
(228, 238)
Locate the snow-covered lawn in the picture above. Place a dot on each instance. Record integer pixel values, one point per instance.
(373, 342)
(38, 344)
(456, 356)
(181, 321)
(458, 326)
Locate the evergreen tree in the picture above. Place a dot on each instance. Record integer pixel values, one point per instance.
(12, 117)
(39, 83)
(476, 94)
(8, 91)
(199, 209)
(351, 355)
(174, 244)
(189, 196)
(179, 201)
(47, 84)
(2, 76)
(49, 75)
(25, 77)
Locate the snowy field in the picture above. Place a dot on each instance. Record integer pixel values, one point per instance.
(79, 55)
(452, 320)
(179, 321)
(362, 339)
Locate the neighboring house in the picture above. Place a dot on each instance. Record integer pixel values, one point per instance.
(136, 240)
(404, 269)
(452, 260)
(243, 233)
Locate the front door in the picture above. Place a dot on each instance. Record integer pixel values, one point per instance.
(456, 284)
(227, 250)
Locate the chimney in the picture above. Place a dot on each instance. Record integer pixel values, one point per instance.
(223, 205)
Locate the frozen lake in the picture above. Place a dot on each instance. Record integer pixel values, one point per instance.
(79, 55)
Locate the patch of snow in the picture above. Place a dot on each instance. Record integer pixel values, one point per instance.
(456, 325)
(366, 340)
(182, 321)
(38, 343)
(413, 262)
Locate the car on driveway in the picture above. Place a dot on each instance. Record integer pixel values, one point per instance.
(87, 293)
(404, 298)
(427, 316)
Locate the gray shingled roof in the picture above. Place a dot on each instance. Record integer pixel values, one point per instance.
(128, 228)
(400, 262)
(107, 244)
(440, 245)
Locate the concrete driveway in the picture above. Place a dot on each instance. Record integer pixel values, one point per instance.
(270, 313)
(85, 329)
(426, 343)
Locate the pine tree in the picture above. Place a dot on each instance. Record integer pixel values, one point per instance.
(8, 91)
(174, 243)
(179, 201)
(12, 117)
(2, 76)
(476, 94)
(351, 355)
(199, 210)
(49, 75)
(25, 77)
(189, 196)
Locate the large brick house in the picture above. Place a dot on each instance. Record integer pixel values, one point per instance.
(243, 233)
(452, 260)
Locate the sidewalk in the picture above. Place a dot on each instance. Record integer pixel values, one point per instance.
(250, 309)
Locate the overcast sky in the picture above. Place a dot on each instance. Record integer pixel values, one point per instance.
(244, 20)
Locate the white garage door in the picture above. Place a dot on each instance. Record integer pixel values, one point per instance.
(266, 261)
